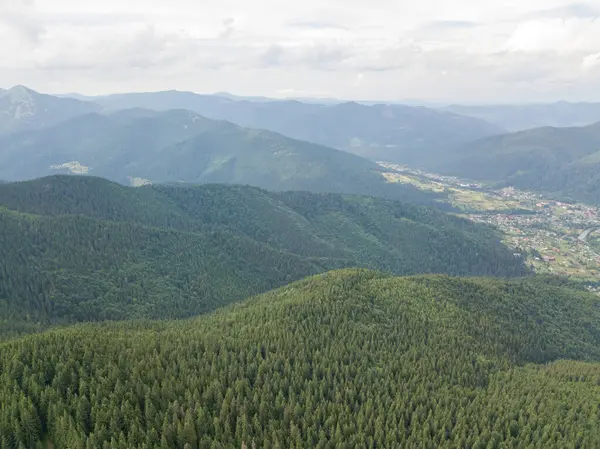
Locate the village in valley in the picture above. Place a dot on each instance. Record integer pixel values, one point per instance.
(555, 237)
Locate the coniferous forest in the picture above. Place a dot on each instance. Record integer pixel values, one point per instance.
(363, 262)
(348, 359)
(94, 274)
(85, 249)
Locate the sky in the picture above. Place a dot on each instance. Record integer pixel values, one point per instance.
(459, 51)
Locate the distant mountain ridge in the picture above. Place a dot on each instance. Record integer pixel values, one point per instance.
(377, 132)
(560, 161)
(138, 146)
(22, 109)
(388, 132)
(528, 116)
(161, 139)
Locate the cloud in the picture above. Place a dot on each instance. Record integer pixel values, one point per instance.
(591, 61)
(25, 26)
(228, 28)
(317, 25)
(341, 56)
(359, 79)
(522, 68)
(147, 49)
(11, 4)
(89, 19)
(379, 49)
(18, 15)
(580, 10)
(318, 55)
(385, 57)
(323, 55)
(272, 56)
(558, 35)
(444, 25)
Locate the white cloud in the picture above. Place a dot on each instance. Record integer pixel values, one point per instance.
(591, 61)
(465, 50)
(585, 10)
(17, 16)
(560, 35)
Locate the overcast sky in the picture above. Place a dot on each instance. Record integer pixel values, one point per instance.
(470, 51)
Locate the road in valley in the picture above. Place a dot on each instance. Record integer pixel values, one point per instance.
(585, 234)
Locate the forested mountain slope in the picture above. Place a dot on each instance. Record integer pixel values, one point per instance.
(346, 359)
(564, 161)
(377, 132)
(83, 248)
(139, 146)
(71, 268)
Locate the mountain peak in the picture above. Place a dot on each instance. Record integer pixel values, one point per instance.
(23, 109)
(22, 102)
(20, 91)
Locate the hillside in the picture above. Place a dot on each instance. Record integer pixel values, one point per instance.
(560, 161)
(103, 251)
(527, 116)
(23, 109)
(345, 359)
(139, 146)
(378, 132)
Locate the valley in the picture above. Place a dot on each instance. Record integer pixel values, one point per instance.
(266, 225)
(553, 237)
(226, 298)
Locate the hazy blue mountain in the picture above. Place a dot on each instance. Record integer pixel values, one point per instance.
(75, 96)
(521, 117)
(139, 146)
(378, 131)
(24, 109)
(564, 161)
(234, 97)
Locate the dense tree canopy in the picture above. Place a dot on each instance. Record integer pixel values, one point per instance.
(348, 359)
(80, 248)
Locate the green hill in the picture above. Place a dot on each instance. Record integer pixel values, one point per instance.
(140, 146)
(345, 359)
(83, 248)
(563, 161)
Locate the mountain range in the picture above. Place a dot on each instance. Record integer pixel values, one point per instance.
(376, 132)
(404, 124)
(165, 137)
(561, 114)
(140, 146)
(82, 248)
(129, 315)
(22, 109)
(562, 162)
